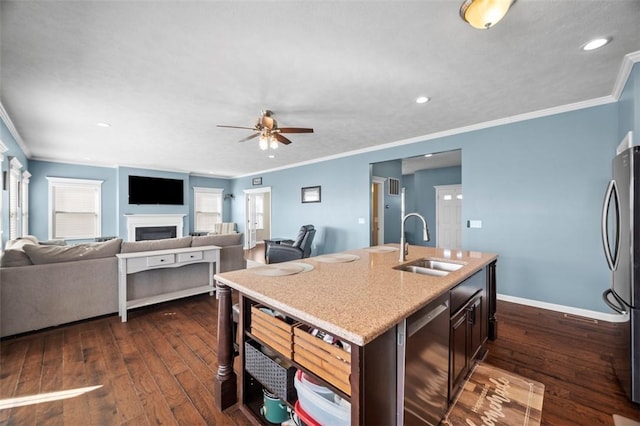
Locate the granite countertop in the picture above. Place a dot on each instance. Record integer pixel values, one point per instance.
(358, 300)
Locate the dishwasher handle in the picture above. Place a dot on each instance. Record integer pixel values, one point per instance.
(413, 326)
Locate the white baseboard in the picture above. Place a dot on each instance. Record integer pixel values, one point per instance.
(564, 309)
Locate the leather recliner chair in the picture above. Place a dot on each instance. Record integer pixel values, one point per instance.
(286, 250)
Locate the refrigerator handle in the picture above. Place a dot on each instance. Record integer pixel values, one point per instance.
(612, 191)
(618, 307)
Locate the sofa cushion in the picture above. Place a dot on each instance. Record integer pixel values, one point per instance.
(52, 254)
(148, 245)
(221, 240)
(14, 257)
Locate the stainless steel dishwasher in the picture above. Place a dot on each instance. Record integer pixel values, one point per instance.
(423, 365)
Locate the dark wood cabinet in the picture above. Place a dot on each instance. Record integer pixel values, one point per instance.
(468, 328)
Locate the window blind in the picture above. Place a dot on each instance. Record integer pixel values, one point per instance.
(208, 208)
(75, 208)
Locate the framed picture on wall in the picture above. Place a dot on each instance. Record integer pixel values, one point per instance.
(311, 194)
(256, 181)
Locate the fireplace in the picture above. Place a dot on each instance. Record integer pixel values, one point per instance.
(154, 226)
(155, 232)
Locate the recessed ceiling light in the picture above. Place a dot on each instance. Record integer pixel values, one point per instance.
(422, 100)
(272, 156)
(103, 124)
(595, 43)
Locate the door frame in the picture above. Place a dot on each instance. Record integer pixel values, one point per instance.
(377, 180)
(247, 194)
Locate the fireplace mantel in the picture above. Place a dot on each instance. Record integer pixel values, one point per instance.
(141, 220)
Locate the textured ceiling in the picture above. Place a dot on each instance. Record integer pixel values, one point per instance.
(164, 73)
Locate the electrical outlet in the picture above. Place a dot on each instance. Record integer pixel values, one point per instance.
(474, 224)
(361, 220)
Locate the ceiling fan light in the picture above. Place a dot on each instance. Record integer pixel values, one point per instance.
(483, 14)
(273, 143)
(263, 143)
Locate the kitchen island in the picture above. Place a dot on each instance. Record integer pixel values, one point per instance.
(356, 296)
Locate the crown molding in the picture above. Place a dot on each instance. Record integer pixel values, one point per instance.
(629, 60)
(14, 132)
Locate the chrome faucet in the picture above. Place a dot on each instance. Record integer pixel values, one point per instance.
(404, 246)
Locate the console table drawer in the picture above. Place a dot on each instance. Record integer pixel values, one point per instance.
(186, 257)
(165, 259)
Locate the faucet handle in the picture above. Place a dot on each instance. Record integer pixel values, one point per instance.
(406, 248)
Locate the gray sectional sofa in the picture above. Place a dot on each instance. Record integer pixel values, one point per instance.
(44, 285)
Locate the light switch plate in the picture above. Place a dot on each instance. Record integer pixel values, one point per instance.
(361, 220)
(474, 224)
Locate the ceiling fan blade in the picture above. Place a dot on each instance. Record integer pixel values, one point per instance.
(255, 135)
(281, 138)
(236, 127)
(294, 130)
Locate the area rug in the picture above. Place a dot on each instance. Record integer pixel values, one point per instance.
(623, 421)
(492, 396)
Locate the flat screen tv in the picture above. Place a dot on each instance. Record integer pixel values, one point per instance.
(153, 190)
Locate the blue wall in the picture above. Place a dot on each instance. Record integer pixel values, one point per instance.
(39, 193)
(629, 104)
(537, 186)
(114, 194)
(392, 203)
(336, 217)
(421, 198)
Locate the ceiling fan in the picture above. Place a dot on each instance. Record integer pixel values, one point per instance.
(267, 129)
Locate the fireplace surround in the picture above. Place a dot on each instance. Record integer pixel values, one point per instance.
(154, 222)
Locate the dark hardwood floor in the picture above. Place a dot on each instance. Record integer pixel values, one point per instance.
(158, 368)
(569, 355)
(256, 254)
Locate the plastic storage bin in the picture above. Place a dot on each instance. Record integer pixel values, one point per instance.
(319, 407)
(304, 416)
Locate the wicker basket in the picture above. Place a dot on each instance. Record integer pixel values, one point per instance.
(276, 378)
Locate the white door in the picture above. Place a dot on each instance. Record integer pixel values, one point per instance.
(251, 222)
(449, 216)
(251, 219)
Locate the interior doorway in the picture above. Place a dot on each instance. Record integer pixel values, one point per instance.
(377, 211)
(257, 216)
(420, 175)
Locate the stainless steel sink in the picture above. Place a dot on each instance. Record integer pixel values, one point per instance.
(431, 267)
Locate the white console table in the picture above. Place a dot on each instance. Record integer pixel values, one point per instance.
(130, 263)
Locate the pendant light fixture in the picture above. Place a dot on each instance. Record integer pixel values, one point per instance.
(484, 14)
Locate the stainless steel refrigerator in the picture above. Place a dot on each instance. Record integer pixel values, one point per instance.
(621, 241)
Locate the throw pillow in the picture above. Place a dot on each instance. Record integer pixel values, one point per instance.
(19, 243)
(148, 245)
(52, 254)
(14, 257)
(222, 240)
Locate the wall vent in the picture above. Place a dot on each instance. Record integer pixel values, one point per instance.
(394, 186)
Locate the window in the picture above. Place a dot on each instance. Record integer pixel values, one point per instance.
(15, 215)
(74, 208)
(207, 208)
(24, 202)
(259, 211)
